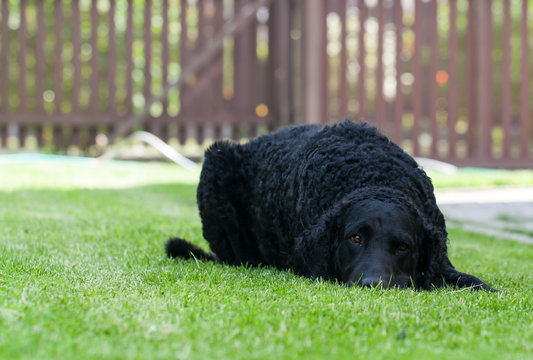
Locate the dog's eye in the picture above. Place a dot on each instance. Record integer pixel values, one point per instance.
(403, 247)
(356, 238)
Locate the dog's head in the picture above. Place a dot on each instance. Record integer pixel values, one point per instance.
(377, 245)
(374, 236)
(378, 236)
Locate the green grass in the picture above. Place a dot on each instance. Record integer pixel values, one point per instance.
(83, 275)
(473, 177)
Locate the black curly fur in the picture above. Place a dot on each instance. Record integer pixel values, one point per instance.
(277, 200)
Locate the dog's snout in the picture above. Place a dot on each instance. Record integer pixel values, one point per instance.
(370, 281)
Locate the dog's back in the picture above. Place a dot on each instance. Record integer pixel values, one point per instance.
(255, 199)
(233, 180)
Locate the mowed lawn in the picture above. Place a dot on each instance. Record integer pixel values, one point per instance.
(83, 275)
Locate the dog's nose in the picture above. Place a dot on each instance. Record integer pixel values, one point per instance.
(371, 281)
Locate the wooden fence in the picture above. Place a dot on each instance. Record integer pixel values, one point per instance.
(73, 72)
(444, 79)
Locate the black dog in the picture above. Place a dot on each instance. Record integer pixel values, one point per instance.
(338, 202)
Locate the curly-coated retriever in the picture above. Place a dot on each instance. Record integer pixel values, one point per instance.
(339, 202)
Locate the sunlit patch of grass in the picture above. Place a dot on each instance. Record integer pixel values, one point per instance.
(471, 177)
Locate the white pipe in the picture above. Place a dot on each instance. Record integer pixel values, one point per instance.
(164, 149)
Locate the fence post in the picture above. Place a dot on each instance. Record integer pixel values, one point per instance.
(280, 27)
(4, 58)
(480, 124)
(314, 61)
(245, 63)
(524, 83)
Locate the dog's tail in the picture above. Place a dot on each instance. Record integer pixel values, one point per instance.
(177, 247)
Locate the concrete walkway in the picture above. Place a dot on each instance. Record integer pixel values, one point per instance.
(504, 212)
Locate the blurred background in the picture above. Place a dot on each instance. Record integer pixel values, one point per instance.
(445, 79)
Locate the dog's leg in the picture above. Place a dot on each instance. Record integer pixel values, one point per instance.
(463, 280)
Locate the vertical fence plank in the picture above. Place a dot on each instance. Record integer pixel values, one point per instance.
(40, 68)
(488, 120)
(325, 71)
(22, 69)
(165, 51)
(241, 70)
(200, 42)
(76, 137)
(279, 42)
(59, 140)
(165, 62)
(58, 54)
(432, 80)
(361, 81)
(147, 38)
(506, 79)
(129, 59)
(245, 75)
(417, 90)
(39, 133)
(235, 133)
(484, 75)
(22, 133)
(343, 81)
(112, 61)
(398, 103)
(3, 135)
(219, 62)
(253, 131)
(93, 131)
(4, 60)
(314, 48)
(200, 133)
(201, 92)
(380, 101)
(76, 46)
(94, 98)
(182, 133)
(184, 56)
(453, 89)
(524, 83)
(471, 99)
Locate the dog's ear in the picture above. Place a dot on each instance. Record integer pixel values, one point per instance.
(311, 255)
(312, 250)
(431, 252)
